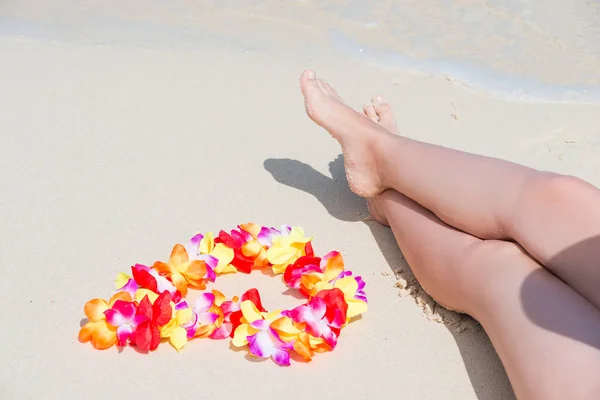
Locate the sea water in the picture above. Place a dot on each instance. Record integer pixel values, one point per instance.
(525, 50)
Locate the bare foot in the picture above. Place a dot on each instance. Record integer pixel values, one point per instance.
(357, 134)
(381, 112)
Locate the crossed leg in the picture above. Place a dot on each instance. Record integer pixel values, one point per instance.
(555, 218)
(461, 251)
(486, 279)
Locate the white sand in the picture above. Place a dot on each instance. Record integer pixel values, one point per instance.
(110, 155)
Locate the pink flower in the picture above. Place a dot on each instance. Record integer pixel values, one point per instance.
(123, 316)
(318, 324)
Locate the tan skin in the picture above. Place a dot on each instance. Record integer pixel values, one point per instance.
(516, 248)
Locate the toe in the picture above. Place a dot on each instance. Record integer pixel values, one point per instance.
(328, 89)
(370, 112)
(308, 75)
(384, 112)
(323, 86)
(308, 81)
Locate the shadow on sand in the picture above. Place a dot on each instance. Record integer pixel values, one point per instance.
(333, 192)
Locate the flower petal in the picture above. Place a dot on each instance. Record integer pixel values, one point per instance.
(142, 276)
(281, 357)
(265, 236)
(261, 344)
(121, 280)
(280, 255)
(211, 275)
(223, 332)
(285, 328)
(219, 297)
(87, 330)
(178, 338)
(184, 316)
(260, 324)
(124, 332)
(147, 336)
(192, 246)
(332, 265)
(162, 310)
(207, 243)
(99, 333)
(178, 255)
(240, 337)
(297, 235)
(125, 308)
(224, 254)
(254, 296)
(141, 293)
(204, 302)
(250, 311)
(207, 318)
(329, 337)
(302, 346)
(94, 309)
(356, 307)
(318, 307)
(229, 306)
(252, 228)
(195, 271)
(180, 283)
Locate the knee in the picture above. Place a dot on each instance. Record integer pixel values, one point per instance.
(557, 189)
(486, 251)
(482, 266)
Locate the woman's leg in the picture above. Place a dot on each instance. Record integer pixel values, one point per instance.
(555, 218)
(486, 279)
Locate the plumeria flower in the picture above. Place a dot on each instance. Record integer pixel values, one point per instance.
(286, 249)
(182, 271)
(219, 251)
(149, 278)
(352, 294)
(256, 332)
(192, 249)
(304, 344)
(235, 241)
(226, 327)
(154, 316)
(308, 272)
(97, 330)
(313, 314)
(253, 248)
(125, 283)
(177, 328)
(122, 315)
(232, 313)
(360, 292)
(266, 235)
(206, 315)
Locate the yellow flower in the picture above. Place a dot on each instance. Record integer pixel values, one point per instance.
(286, 249)
(219, 251)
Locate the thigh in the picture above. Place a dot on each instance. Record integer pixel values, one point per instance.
(546, 334)
(557, 220)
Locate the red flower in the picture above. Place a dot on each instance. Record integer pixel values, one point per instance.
(235, 241)
(147, 334)
(336, 304)
(293, 273)
(236, 316)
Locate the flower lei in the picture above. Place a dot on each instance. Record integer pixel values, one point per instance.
(149, 306)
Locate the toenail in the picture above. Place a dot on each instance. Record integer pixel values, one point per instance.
(311, 75)
(379, 99)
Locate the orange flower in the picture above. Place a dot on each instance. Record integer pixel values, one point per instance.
(97, 330)
(182, 271)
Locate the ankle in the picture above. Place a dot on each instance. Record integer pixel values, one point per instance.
(381, 150)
